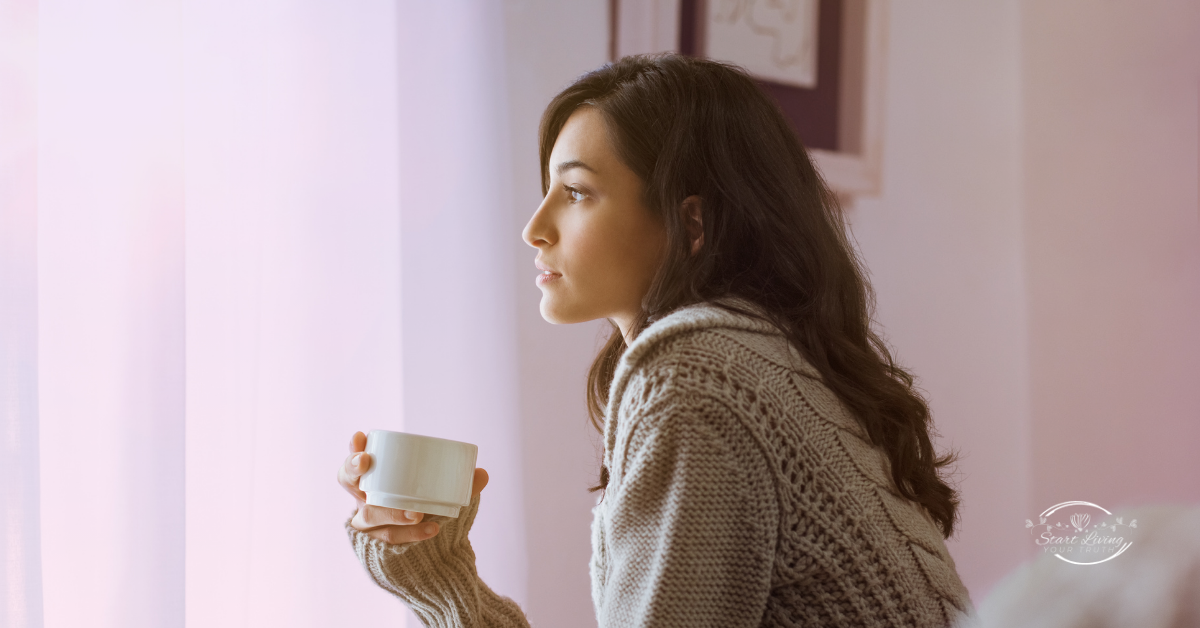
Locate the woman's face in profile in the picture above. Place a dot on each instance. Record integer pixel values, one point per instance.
(599, 245)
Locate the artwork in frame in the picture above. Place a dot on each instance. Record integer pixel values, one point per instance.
(833, 97)
(775, 40)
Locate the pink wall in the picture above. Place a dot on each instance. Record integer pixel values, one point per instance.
(943, 242)
(1112, 239)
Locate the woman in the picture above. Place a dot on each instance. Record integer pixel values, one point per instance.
(766, 463)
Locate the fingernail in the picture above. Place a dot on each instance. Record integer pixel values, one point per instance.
(410, 515)
(354, 462)
(429, 529)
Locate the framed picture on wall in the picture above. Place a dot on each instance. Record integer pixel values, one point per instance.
(776, 41)
(821, 60)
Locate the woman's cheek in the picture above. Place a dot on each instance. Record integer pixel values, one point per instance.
(596, 274)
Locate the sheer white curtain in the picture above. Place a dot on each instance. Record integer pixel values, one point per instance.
(201, 221)
(293, 315)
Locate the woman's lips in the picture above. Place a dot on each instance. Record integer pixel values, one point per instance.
(547, 277)
(548, 274)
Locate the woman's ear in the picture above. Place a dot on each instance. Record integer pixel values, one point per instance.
(694, 220)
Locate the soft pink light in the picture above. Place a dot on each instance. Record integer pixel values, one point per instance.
(218, 212)
(293, 315)
(110, 257)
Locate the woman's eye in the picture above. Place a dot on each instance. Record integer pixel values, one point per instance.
(575, 195)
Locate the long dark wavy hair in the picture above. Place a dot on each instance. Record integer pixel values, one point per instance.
(773, 235)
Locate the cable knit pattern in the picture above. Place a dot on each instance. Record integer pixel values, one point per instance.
(741, 493)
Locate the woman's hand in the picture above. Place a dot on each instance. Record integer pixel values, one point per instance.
(387, 524)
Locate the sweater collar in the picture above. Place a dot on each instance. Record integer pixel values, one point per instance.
(707, 315)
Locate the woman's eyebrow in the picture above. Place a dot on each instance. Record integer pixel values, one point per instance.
(570, 165)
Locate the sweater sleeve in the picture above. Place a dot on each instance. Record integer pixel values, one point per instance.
(690, 520)
(436, 578)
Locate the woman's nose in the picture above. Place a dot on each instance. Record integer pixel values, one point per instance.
(538, 231)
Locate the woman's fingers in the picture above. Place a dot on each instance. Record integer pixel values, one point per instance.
(479, 481)
(356, 464)
(396, 535)
(393, 526)
(374, 516)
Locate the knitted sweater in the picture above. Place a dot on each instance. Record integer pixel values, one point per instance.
(741, 493)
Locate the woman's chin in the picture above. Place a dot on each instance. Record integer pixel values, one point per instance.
(550, 313)
(558, 314)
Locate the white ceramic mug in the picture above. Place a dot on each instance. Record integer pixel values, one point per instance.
(421, 473)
